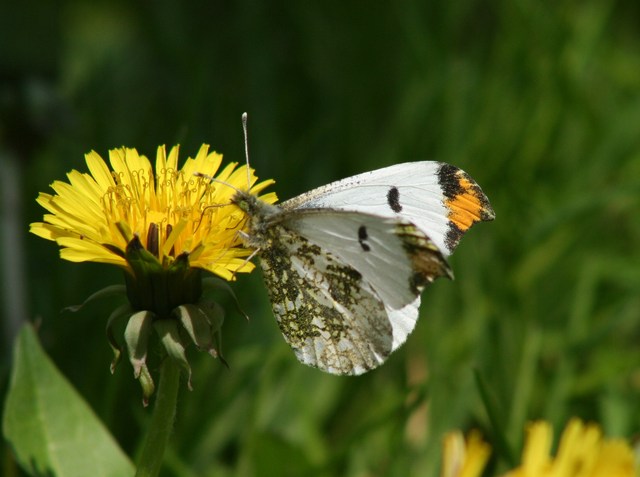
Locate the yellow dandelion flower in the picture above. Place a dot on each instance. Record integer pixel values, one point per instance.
(95, 216)
(163, 227)
(464, 458)
(583, 452)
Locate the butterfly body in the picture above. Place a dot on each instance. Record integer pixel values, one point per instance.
(345, 264)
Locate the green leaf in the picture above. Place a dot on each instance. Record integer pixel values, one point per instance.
(51, 428)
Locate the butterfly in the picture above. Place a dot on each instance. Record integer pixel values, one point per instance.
(345, 263)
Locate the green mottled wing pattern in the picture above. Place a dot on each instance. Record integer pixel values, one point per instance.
(345, 286)
(330, 317)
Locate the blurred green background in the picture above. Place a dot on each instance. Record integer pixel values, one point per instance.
(538, 101)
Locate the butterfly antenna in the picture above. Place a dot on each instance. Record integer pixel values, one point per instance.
(213, 179)
(246, 148)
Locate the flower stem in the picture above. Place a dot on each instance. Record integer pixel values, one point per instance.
(164, 412)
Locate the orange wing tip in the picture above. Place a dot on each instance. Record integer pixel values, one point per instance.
(464, 200)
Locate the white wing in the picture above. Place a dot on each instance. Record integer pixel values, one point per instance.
(440, 199)
(345, 263)
(345, 286)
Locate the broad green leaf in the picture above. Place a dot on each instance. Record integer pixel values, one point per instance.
(51, 428)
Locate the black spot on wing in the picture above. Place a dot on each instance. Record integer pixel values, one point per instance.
(449, 181)
(453, 236)
(362, 238)
(393, 199)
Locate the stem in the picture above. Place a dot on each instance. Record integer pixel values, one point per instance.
(164, 413)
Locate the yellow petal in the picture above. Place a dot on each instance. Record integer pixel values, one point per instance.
(99, 170)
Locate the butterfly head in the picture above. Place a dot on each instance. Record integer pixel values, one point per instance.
(250, 204)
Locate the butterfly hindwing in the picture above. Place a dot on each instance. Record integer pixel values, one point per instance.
(345, 286)
(331, 318)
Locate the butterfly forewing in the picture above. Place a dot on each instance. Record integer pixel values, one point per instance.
(440, 199)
